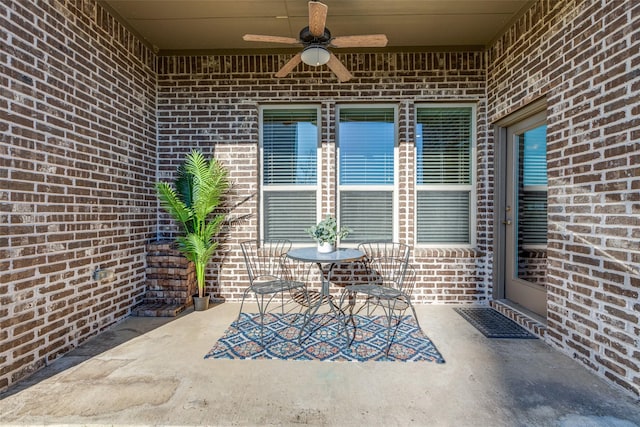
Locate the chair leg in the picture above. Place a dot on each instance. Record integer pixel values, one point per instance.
(368, 303)
(343, 317)
(352, 302)
(244, 295)
(388, 312)
(309, 312)
(415, 316)
(262, 308)
(306, 311)
(282, 302)
(306, 307)
(260, 301)
(389, 309)
(391, 336)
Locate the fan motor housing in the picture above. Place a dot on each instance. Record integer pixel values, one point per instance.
(307, 38)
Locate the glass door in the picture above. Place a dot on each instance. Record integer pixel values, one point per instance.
(526, 214)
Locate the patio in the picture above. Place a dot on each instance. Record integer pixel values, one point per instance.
(93, 113)
(150, 371)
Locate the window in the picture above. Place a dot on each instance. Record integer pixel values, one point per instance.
(445, 143)
(289, 171)
(366, 171)
(532, 206)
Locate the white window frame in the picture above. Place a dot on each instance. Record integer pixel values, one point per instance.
(396, 160)
(317, 187)
(471, 187)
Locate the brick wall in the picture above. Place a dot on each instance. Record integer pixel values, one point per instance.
(584, 57)
(211, 103)
(77, 164)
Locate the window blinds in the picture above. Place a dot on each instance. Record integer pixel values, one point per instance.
(533, 152)
(289, 142)
(289, 172)
(368, 213)
(443, 217)
(444, 147)
(532, 208)
(366, 138)
(533, 218)
(288, 213)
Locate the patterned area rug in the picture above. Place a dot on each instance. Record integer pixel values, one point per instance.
(242, 340)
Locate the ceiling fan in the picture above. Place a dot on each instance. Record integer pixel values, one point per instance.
(316, 38)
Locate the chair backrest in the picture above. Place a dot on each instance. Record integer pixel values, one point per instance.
(391, 258)
(264, 259)
(388, 271)
(386, 261)
(409, 280)
(378, 249)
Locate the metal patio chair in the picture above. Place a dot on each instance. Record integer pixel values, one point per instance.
(391, 287)
(272, 273)
(345, 274)
(375, 250)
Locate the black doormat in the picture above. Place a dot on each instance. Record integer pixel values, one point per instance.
(493, 324)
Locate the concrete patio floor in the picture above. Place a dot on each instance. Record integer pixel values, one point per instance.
(151, 371)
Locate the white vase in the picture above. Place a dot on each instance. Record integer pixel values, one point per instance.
(326, 247)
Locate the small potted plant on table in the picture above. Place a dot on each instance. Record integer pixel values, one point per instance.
(326, 234)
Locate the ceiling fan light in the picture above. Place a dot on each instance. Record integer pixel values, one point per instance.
(315, 56)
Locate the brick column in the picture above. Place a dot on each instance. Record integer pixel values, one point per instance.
(171, 281)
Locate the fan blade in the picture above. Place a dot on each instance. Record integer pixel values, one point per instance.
(317, 18)
(289, 66)
(269, 39)
(371, 40)
(338, 69)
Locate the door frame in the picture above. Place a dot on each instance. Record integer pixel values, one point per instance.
(499, 193)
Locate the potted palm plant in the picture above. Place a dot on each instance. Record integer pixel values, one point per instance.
(191, 201)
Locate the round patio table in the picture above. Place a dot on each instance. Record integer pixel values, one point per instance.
(311, 254)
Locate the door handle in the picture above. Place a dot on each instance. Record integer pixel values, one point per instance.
(507, 222)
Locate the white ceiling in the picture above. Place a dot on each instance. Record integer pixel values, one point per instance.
(218, 25)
